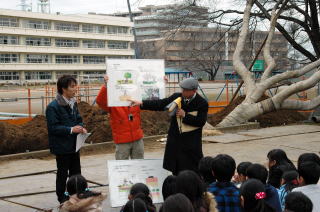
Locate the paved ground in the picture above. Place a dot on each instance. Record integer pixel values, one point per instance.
(250, 145)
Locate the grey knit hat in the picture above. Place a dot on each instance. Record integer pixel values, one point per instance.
(189, 84)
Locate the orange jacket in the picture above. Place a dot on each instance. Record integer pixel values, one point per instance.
(123, 130)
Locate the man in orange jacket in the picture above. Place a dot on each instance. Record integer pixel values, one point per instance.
(126, 127)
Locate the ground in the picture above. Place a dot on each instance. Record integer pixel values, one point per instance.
(252, 145)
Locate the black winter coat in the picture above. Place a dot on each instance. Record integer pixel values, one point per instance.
(183, 150)
(60, 119)
(276, 172)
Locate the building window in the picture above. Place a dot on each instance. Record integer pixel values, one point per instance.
(67, 43)
(33, 41)
(117, 45)
(6, 39)
(37, 58)
(67, 26)
(67, 59)
(9, 22)
(92, 28)
(9, 75)
(93, 44)
(117, 30)
(93, 75)
(120, 57)
(9, 58)
(72, 73)
(38, 75)
(35, 24)
(94, 59)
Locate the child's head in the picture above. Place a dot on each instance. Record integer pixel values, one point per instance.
(277, 157)
(223, 167)
(142, 192)
(169, 186)
(298, 202)
(290, 180)
(135, 205)
(253, 194)
(190, 184)
(205, 170)
(177, 203)
(77, 184)
(242, 171)
(257, 171)
(138, 188)
(313, 157)
(309, 173)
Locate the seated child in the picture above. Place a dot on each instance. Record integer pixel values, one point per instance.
(81, 199)
(289, 181)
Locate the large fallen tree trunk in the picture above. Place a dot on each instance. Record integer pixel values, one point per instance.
(251, 107)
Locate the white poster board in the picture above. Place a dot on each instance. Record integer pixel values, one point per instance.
(137, 79)
(125, 173)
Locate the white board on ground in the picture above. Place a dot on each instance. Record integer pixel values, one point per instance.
(138, 79)
(125, 173)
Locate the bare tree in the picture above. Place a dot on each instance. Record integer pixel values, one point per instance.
(200, 50)
(298, 23)
(251, 107)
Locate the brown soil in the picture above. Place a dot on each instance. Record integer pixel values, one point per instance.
(277, 118)
(33, 135)
(27, 137)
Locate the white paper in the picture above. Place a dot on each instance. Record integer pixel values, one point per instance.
(81, 138)
(137, 79)
(124, 173)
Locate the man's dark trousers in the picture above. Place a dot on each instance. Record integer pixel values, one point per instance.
(67, 165)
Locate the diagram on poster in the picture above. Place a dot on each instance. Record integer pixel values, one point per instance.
(125, 173)
(136, 79)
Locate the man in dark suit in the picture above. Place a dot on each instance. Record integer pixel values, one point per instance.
(184, 143)
(64, 124)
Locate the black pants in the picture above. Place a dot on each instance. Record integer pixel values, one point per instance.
(67, 165)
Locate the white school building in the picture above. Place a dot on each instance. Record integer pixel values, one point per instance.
(40, 47)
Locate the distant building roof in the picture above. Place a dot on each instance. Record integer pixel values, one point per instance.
(176, 71)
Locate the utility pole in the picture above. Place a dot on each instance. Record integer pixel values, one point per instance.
(136, 51)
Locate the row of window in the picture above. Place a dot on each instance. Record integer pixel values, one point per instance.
(60, 59)
(63, 26)
(13, 75)
(189, 54)
(5, 39)
(37, 41)
(46, 75)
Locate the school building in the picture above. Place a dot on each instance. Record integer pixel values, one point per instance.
(40, 47)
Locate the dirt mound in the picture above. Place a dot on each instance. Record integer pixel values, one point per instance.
(27, 137)
(34, 136)
(277, 118)
(155, 122)
(96, 121)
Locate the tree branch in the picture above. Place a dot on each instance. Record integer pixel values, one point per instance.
(271, 63)
(291, 104)
(287, 36)
(238, 65)
(295, 88)
(315, 33)
(288, 75)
